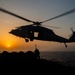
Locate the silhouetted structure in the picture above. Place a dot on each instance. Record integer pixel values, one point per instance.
(27, 64)
(30, 56)
(36, 52)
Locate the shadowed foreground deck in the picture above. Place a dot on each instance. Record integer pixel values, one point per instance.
(28, 64)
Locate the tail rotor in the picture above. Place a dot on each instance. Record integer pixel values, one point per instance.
(72, 29)
(72, 36)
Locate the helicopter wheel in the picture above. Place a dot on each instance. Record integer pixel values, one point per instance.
(26, 40)
(31, 39)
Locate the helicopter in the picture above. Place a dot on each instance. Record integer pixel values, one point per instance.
(38, 32)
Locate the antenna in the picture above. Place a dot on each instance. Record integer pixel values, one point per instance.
(72, 29)
(35, 46)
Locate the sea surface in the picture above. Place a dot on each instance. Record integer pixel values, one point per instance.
(67, 58)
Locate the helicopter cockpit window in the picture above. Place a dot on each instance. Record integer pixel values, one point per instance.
(36, 34)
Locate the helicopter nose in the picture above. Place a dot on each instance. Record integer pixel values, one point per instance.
(15, 32)
(12, 32)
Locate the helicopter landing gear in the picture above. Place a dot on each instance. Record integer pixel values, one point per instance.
(65, 44)
(31, 35)
(26, 39)
(31, 39)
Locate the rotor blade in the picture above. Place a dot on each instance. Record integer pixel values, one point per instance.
(63, 14)
(72, 29)
(24, 26)
(8, 12)
(52, 26)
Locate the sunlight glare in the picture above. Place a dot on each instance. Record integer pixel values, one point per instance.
(8, 45)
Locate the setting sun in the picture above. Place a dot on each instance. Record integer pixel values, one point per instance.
(8, 42)
(8, 45)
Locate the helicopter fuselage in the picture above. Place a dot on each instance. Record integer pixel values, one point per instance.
(38, 33)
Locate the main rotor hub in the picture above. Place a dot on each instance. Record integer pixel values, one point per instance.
(37, 23)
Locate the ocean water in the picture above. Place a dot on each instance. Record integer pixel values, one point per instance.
(67, 58)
